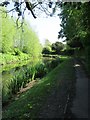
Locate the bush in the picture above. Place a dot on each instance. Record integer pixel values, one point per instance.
(46, 50)
(41, 70)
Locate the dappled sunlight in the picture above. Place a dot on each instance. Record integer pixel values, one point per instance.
(76, 65)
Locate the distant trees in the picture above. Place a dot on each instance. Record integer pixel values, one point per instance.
(46, 50)
(47, 47)
(54, 48)
(57, 47)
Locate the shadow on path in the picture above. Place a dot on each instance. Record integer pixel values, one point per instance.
(76, 101)
(80, 103)
(63, 94)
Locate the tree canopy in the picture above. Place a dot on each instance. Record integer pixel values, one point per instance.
(75, 19)
(34, 6)
(75, 26)
(57, 47)
(13, 39)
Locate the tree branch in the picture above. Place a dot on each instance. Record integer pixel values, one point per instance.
(28, 5)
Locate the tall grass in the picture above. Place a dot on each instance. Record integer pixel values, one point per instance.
(17, 78)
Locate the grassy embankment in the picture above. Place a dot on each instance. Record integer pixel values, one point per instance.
(28, 104)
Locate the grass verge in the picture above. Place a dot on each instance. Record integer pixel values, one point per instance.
(28, 104)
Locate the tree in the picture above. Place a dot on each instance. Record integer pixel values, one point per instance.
(75, 43)
(47, 43)
(20, 6)
(15, 41)
(8, 32)
(46, 50)
(76, 27)
(31, 42)
(57, 47)
(47, 47)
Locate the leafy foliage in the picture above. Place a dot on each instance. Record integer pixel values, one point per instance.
(8, 32)
(31, 43)
(46, 50)
(57, 47)
(33, 99)
(17, 42)
(76, 26)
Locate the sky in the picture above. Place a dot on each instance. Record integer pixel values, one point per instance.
(46, 27)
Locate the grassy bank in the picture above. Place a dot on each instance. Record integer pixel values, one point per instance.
(28, 104)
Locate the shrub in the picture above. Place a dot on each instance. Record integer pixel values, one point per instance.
(41, 70)
(46, 50)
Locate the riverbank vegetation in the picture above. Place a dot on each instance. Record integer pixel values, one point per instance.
(23, 60)
(33, 99)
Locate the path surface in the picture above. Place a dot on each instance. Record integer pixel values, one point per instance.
(77, 106)
(80, 103)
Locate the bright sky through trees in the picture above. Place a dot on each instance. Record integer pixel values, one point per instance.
(45, 27)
